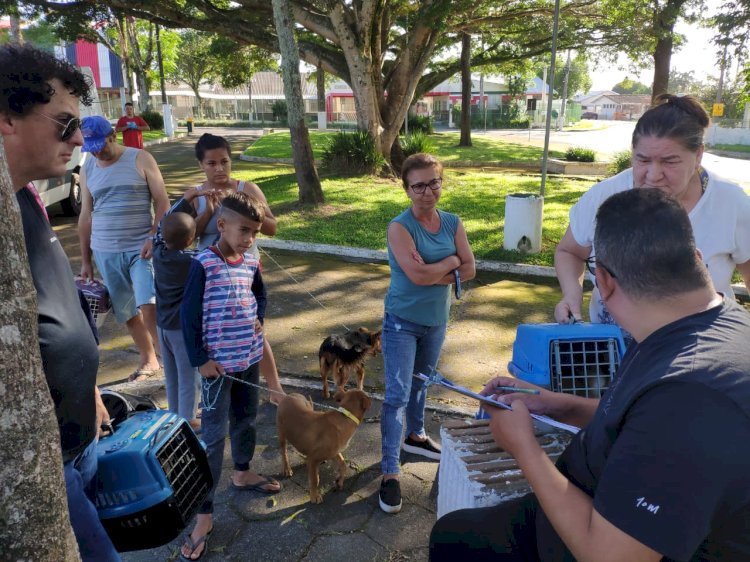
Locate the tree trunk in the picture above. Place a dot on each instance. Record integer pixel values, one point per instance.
(664, 22)
(662, 58)
(144, 99)
(34, 521)
(125, 57)
(320, 83)
(310, 190)
(465, 90)
(16, 35)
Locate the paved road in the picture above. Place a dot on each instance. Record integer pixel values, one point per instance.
(615, 136)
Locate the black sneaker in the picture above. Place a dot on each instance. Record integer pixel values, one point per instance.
(390, 496)
(427, 448)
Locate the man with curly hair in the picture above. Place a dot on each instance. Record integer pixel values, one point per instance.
(39, 122)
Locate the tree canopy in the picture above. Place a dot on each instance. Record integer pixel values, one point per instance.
(401, 47)
(629, 86)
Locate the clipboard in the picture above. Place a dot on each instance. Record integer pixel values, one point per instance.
(442, 381)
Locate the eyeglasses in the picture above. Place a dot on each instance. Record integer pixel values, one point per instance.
(591, 265)
(434, 185)
(69, 128)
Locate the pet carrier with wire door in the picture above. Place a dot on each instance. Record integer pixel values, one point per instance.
(97, 296)
(153, 476)
(579, 358)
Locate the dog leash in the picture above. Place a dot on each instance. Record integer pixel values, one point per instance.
(209, 404)
(313, 297)
(212, 405)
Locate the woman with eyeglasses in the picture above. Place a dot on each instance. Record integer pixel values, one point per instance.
(428, 252)
(667, 149)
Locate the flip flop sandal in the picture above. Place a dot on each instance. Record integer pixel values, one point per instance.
(143, 374)
(258, 486)
(195, 545)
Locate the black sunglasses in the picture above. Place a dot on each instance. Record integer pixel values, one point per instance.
(591, 265)
(69, 128)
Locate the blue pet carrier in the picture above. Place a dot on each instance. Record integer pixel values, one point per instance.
(153, 475)
(576, 358)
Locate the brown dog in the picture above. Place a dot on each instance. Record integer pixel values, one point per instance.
(340, 354)
(319, 435)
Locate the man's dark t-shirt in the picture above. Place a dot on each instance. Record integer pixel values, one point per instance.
(70, 357)
(666, 456)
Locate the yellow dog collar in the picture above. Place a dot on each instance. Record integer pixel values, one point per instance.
(348, 414)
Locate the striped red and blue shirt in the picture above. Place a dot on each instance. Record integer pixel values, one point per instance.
(221, 302)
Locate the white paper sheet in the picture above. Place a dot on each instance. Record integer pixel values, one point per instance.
(485, 399)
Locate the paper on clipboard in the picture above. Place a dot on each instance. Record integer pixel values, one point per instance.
(485, 399)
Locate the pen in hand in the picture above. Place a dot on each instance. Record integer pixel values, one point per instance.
(517, 389)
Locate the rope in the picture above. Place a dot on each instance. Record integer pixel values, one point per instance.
(313, 297)
(209, 383)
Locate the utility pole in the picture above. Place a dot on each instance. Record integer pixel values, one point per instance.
(545, 154)
(722, 70)
(561, 118)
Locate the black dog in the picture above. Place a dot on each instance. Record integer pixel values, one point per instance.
(341, 353)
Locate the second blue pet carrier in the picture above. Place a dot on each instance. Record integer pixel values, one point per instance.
(576, 358)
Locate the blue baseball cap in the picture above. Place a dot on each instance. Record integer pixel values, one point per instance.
(95, 131)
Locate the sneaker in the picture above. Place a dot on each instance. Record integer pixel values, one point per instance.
(390, 496)
(427, 448)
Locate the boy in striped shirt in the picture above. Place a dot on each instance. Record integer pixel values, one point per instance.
(222, 321)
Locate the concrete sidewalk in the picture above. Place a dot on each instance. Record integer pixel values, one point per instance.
(348, 525)
(311, 296)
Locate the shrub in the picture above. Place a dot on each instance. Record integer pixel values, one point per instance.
(420, 123)
(414, 143)
(280, 111)
(620, 162)
(154, 119)
(352, 154)
(579, 154)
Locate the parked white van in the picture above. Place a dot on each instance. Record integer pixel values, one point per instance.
(65, 189)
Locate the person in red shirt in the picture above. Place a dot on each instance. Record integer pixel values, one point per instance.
(130, 125)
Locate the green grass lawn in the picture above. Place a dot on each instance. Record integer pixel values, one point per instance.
(277, 145)
(731, 147)
(147, 136)
(358, 209)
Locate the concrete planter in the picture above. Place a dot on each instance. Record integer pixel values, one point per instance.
(555, 166)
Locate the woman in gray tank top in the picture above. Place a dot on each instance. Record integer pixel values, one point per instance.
(214, 156)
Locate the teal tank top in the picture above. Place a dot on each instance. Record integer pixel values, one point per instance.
(427, 305)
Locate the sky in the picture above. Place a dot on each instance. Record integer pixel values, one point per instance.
(698, 54)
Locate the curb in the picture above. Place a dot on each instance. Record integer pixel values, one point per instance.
(162, 140)
(266, 160)
(382, 257)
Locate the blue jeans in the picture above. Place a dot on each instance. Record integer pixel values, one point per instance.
(181, 378)
(226, 401)
(407, 348)
(80, 484)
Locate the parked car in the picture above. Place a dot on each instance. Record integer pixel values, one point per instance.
(589, 115)
(66, 189)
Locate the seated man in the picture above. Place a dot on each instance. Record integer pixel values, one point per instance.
(659, 470)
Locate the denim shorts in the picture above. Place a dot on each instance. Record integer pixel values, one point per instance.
(129, 280)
